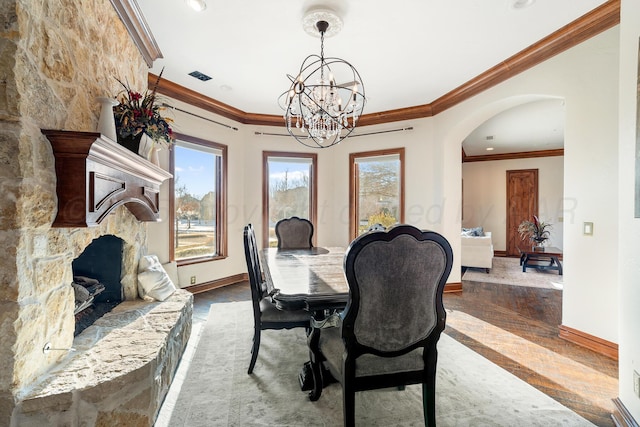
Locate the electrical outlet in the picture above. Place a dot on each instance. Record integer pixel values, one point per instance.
(193, 280)
(636, 383)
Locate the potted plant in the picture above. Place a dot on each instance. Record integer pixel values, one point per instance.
(138, 114)
(536, 231)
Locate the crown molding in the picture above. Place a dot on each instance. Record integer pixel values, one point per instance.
(511, 156)
(593, 23)
(131, 16)
(191, 97)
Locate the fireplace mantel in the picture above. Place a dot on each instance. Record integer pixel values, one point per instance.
(96, 175)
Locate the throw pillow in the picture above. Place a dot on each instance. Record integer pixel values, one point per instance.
(474, 232)
(172, 270)
(153, 281)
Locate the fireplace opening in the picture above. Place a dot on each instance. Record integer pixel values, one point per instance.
(96, 280)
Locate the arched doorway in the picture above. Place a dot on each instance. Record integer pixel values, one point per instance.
(525, 135)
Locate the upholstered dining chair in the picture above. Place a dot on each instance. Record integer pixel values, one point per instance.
(388, 332)
(265, 313)
(294, 233)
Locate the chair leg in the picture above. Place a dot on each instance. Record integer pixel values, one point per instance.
(348, 404)
(429, 402)
(254, 349)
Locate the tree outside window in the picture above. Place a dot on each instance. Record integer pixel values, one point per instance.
(377, 181)
(289, 182)
(198, 225)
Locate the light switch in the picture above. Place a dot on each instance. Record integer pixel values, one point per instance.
(587, 229)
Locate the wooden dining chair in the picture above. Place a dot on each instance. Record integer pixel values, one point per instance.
(388, 332)
(265, 313)
(294, 233)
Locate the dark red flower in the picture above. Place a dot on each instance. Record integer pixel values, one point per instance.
(135, 96)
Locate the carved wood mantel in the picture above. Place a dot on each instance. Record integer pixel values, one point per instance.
(96, 175)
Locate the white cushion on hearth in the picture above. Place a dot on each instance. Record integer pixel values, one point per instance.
(153, 281)
(172, 270)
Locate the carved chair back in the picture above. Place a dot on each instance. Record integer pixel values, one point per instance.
(396, 280)
(294, 233)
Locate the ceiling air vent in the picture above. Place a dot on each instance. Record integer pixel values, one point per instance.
(200, 76)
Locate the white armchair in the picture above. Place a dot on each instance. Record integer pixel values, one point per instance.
(477, 251)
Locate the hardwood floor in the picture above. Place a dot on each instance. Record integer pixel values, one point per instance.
(515, 327)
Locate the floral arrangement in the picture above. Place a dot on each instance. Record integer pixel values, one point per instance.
(535, 230)
(138, 113)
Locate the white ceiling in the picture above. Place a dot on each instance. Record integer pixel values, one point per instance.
(534, 126)
(407, 55)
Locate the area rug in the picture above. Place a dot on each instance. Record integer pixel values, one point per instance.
(212, 387)
(508, 271)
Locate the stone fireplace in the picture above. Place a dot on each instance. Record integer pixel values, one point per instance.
(57, 57)
(96, 280)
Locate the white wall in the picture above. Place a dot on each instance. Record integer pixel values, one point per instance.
(332, 228)
(158, 233)
(586, 76)
(433, 167)
(485, 196)
(628, 227)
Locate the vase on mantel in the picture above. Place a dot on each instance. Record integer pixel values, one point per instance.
(149, 149)
(107, 122)
(146, 144)
(154, 156)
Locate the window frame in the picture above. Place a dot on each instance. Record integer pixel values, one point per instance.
(313, 190)
(354, 185)
(221, 201)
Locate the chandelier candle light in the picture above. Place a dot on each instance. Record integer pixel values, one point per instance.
(319, 111)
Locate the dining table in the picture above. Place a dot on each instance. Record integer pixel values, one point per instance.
(311, 279)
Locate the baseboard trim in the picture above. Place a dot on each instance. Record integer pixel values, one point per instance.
(453, 287)
(218, 283)
(591, 342)
(500, 253)
(621, 416)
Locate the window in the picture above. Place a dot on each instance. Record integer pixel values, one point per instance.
(198, 206)
(289, 189)
(376, 189)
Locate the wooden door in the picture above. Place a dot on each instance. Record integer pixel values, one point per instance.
(522, 204)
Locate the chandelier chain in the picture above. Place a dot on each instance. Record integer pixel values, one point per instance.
(321, 55)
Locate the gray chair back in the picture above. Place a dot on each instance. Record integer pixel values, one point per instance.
(387, 334)
(294, 233)
(396, 280)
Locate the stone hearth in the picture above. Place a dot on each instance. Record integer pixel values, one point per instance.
(119, 371)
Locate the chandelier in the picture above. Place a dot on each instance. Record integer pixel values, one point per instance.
(326, 98)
